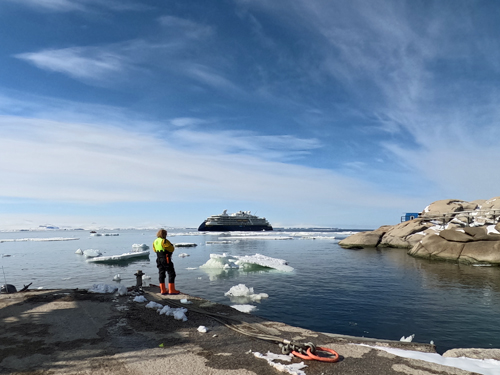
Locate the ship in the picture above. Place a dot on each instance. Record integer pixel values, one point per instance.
(239, 221)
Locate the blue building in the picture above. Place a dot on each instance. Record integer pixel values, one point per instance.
(409, 216)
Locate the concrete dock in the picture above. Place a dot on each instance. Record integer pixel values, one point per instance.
(76, 332)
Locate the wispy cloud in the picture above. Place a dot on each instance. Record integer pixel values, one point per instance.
(401, 66)
(83, 63)
(74, 162)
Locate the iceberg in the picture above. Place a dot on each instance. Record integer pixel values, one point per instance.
(244, 294)
(91, 253)
(226, 261)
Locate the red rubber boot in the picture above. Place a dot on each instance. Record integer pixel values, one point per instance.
(172, 290)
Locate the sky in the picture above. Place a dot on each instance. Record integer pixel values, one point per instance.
(311, 113)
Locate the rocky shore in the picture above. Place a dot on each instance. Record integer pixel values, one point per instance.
(450, 229)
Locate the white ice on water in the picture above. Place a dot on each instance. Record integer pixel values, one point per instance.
(258, 238)
(226, 261)
(293, 368)
(140, 246)
(183, 255)
(478, 366)
(242, 291)
(244, 308)
(79, 251)
(92, 253)
(39, 239)
(407, 339)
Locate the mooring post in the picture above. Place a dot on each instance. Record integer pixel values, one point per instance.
(138, 278)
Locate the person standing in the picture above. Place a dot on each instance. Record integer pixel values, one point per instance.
(164, 249)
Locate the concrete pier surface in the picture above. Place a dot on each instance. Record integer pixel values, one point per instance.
(75, 332)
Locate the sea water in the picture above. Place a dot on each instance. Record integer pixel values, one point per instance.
(378, 293)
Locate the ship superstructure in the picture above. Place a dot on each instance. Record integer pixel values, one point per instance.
(238, 221)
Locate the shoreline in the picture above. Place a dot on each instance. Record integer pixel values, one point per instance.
(69, 331)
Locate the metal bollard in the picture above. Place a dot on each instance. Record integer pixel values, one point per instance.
(138, 278)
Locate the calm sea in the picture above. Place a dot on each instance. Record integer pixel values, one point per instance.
(380, 293)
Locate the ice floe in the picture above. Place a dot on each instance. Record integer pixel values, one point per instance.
(244, 308)
(91, 253)
(185, 244)
(140, 246)
(183, 255)
(407, 339)
(241, 293)
(258, 238)
(225, 261)
(39, 239)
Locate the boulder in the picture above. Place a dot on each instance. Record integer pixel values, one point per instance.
(445, 206)
(436, 247)
(405, 234)
(481, 252)
(364, 239)
(455, 235)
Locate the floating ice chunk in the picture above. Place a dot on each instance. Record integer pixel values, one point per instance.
(192, 268)
(294, 368)
(140, 299)
(407, 339)
(183, 255)
(117, 277)
(241, 293)
(91, 253)
(264, 261)
(202, 329)
(96, 234)
(260, 237)
(220, 261)
(140, 246)
(225, 261)
(79, 251)
(102, 288)
(185, 244)
(219, 242)
(146, 280)
(244, 308)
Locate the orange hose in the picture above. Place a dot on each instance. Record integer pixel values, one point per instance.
(335, 357)
(311, 356)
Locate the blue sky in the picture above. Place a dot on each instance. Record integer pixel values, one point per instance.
(308, 112)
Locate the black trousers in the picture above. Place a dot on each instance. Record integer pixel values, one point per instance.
(165, 266)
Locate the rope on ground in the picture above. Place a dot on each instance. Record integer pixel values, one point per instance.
(307, 351)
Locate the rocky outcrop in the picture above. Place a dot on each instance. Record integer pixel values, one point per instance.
(451, 229)
(364, 239)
